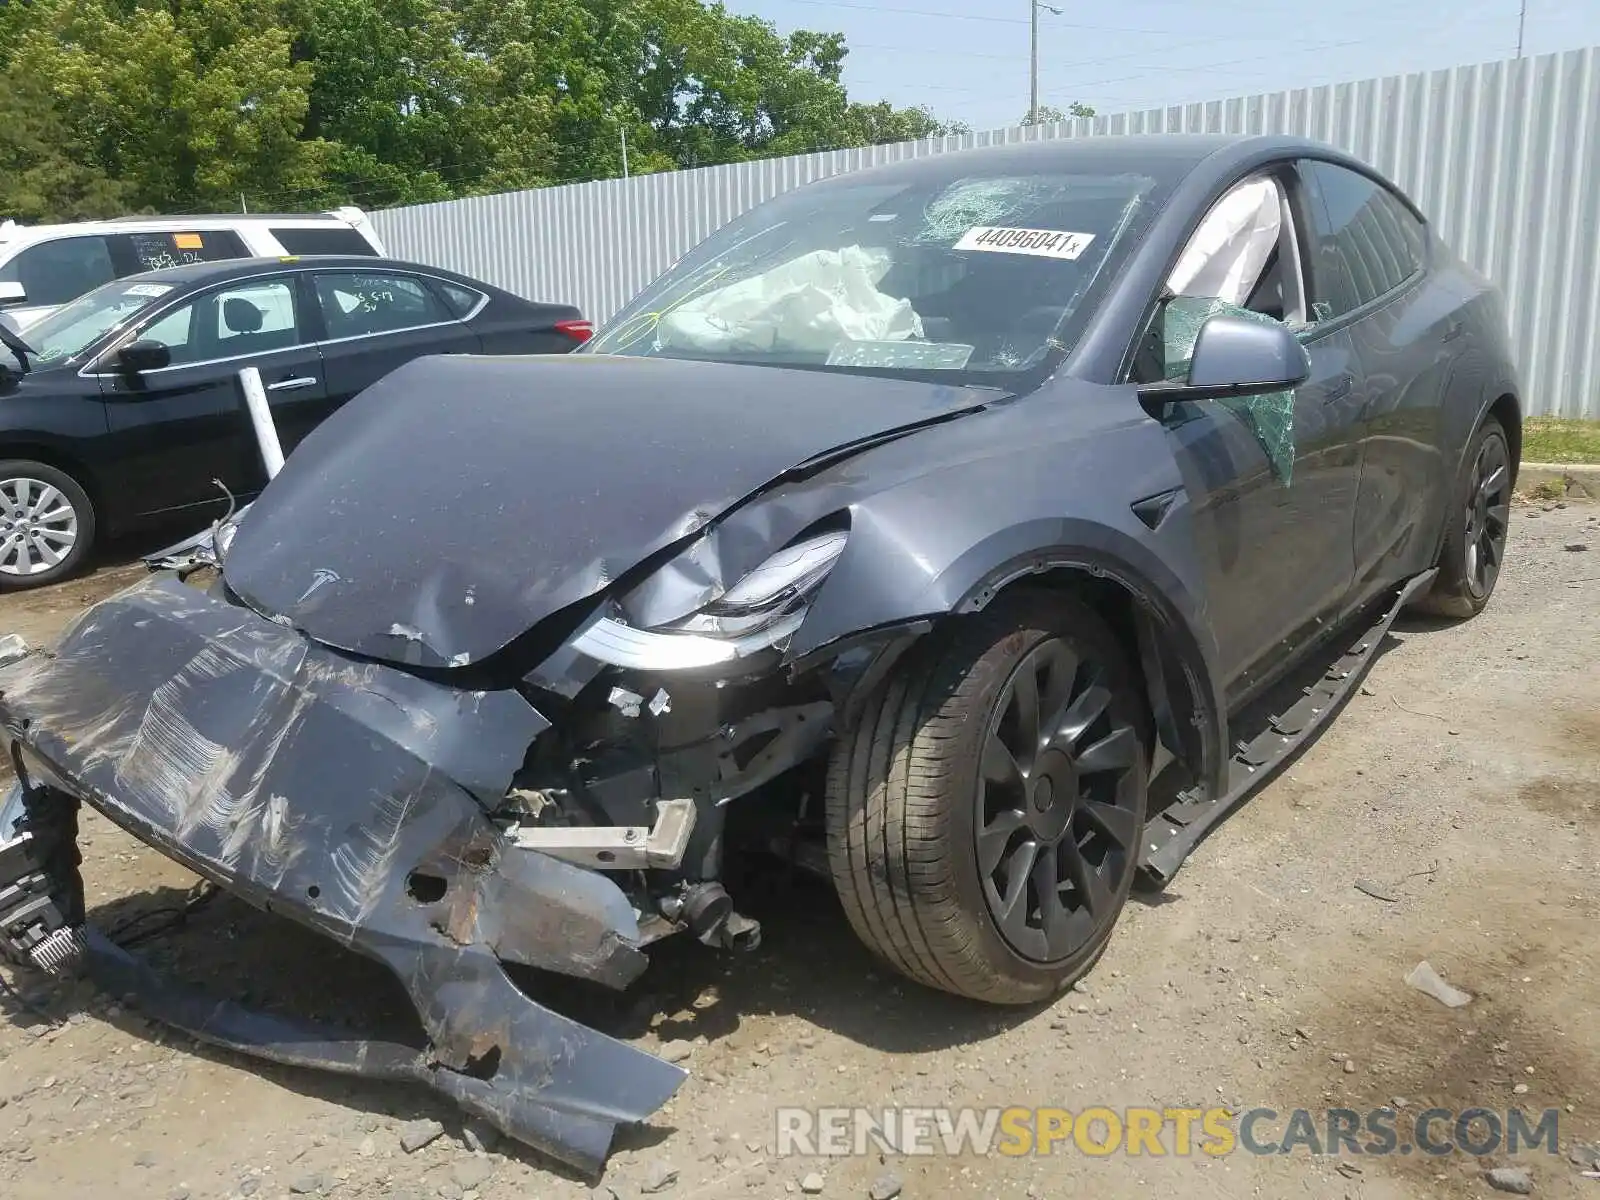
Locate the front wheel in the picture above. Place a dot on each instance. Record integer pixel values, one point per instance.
(46, 525)
(1480, 518)
(984, 816)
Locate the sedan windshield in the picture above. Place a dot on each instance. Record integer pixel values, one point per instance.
(69, 331)
(972, 277)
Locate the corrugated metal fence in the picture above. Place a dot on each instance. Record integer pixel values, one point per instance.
(1505, 156)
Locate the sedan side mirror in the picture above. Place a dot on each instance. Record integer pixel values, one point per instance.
(12, 293)
(1237, 357)
(143, 356)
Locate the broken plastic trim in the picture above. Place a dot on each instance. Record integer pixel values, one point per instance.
(389, 783)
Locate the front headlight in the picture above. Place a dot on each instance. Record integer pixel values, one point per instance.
(759, 611)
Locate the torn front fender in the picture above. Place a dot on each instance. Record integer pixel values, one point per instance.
(324, 789)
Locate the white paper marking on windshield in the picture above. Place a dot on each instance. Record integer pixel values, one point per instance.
(1042, 243)
(147, 289)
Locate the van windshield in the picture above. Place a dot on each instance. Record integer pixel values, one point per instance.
(65, 334)
(972, 276)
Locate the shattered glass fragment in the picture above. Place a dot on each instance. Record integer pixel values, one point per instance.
(972, 202)
(625, 702)
(1271, 417)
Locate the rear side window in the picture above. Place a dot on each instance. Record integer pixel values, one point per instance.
(1367, 241)
(136, 252)
(358, 303)
(61, 270)
(332, 239)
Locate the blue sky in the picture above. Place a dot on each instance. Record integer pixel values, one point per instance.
(968, 59)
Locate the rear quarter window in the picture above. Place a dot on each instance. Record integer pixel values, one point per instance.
(137, 252)
(459, 300)
(332, 240)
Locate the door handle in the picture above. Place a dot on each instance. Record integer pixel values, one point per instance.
(293, 385)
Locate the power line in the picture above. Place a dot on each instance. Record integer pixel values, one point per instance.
(986, 18)
(1292, 49)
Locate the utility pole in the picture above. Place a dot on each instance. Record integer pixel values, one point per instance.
(1033, 56)
(1033, 60)
(1522, 25)
(624, 131)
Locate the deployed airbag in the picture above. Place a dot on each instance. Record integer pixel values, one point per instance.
(808, 304)
(1229, 251)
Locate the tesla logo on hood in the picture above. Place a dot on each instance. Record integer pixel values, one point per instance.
(320, 578)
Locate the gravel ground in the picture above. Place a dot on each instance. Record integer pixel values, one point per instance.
(1463, 785)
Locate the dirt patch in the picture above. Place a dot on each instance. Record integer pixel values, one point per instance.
(1565, 799)
(1519, 1045)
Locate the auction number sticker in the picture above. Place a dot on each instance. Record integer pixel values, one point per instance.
(147, 289)
(1042, 243)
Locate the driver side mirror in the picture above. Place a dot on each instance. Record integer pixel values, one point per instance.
(12, 293)
(143, 356)
(1236, 357)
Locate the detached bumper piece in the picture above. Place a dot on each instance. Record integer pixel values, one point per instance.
(350, 798)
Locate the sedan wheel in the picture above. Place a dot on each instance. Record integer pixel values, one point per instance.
(1475, 543)
(46, 525)
(984, 815)
(1488, 516)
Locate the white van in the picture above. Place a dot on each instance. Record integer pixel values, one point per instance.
(44, 266)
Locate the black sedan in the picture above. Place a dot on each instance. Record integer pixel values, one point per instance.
(976, 532)
(122, 408)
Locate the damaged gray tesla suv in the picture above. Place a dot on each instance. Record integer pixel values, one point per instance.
(937, 526)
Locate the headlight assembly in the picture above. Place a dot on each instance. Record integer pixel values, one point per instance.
(759, 611)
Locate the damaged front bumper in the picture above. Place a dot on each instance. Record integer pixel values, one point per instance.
(352, 798)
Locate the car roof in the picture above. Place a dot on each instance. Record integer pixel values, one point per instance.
(17, 232)
(235, 268)
(1166, 154)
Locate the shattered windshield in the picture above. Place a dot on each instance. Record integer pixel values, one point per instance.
(975, 276)
(70, 330)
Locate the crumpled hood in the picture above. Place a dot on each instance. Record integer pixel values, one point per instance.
(461, 500)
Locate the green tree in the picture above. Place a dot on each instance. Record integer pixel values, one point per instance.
(177, 105)
(1048, 114)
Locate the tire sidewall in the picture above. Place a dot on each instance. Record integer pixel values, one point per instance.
(960, 819)
(82, 507)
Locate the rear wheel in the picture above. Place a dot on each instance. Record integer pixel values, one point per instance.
(46, 525)
(984, 816)
(1480, 518)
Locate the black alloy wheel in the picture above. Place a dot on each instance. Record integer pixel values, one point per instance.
(1058, 822)
(985, 810)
